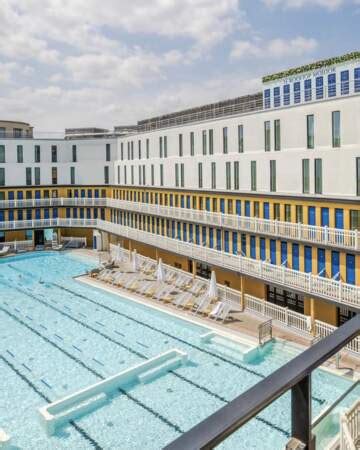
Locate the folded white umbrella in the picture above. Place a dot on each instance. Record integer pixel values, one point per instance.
(119, 254)
(160, 272)
(134, 261)
(213, 290)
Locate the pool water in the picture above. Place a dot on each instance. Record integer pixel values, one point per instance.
(59, 335)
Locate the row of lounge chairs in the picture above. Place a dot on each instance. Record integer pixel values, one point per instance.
(176, 288)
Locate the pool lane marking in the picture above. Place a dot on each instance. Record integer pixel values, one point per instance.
(97, 374)
(79, 429)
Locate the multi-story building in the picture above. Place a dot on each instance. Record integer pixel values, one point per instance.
(264, 187)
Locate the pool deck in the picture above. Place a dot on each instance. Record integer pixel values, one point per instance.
(243, 326)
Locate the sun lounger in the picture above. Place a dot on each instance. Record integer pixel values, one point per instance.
(4, 250)
(220, 311)
(203, 304)
(183, 300)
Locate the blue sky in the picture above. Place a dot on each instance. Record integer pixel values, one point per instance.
(69, 63)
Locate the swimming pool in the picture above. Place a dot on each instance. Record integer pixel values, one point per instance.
(58, 335)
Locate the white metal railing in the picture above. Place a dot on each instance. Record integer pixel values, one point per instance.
(283, 315)
(346, 294)
(82, 241)
(18, 245)
(347, 239)
(350, 428)
(323, 329)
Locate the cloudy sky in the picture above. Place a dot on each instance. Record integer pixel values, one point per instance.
(70, 63)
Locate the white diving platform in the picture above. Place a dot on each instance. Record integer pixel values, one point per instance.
(60, 412)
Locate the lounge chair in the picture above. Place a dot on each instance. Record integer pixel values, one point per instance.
(203, 305)
(165, 294)
(183, 300)
(5, 250)
(220, 311)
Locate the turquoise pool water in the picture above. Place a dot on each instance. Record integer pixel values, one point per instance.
(58, 335)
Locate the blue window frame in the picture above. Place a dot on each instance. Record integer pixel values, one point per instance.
(226, 241)
(76, 193)
(81, 213)
(207, 203)
(211, 237)
(266, 210)
(284, 253)
(185, 232)
(335, 265)
(218, 239)
(20, 214)
(321, 262)
(252, 247)
(75, 213)
(307, 90)
(11, 215)
(173, 229)
(332, 85)
(37, 195)
(286, 94)
(96, 193)
(191, 233)
(29, 214)
(324, 217)
(319, 82)
(267, 101)
(262, 249)
(238, 207)
(222, 205)
(243, 244)
(272, 251)
(311, 215)
(2, 216)
(182, 202)
(308, 259)
(178, 230)
(295, 257)
(339, 218)
(82, 193)
(277, 96)
(20, 195)
(89, 193)
(55, 213)
(197, 234)
(46, 213)
(350, 268)
(11, 195)
(88, 214)
(235, 243)
(297, 92)
(247, 208)
(357, 79)
(345, 85)
(37, 214)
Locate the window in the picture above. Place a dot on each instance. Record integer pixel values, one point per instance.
(253, 175)
(336, 141)
(241, 138)
(319, 87)
(344, 76)
(54, 179)
(176, 175)
(276, 210)
(192, 143)
(318, 176)
(28, 176)
(286, 94)
(307, 90)
(211, 142)
(37, 176)
(267, 99)
(144, 175)
(161, 174)
(354, 217)
(106, 174)
(236, 175)
(277, 137)
(276, 96)
(132, 149)
(287, 213)
(200, 175)
(132, 175)
(2, 176)
(299, 214)
(74, 153)
(125, 175)
(228, 175)
(272, 176)
(72, 175)
(306, 176)
(213, 175)
(160, 147)
(267, 136)
(357, 176)
(118, 175)
(357, 79)
(182, 175)
(310, 131)
(204, 144)
(332, 85)
(2, 153)
(139, 150)
(37, 155)
(152, 175)
(121, 151)
(225, 140)
(165, 146)
(181, 152)
(54, 153)
(297, 92)
(147, 148)
(20, 154)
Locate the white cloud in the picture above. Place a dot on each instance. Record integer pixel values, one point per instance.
(296, 4)
(274, 48)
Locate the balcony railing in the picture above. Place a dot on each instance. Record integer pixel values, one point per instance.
(334, 237)
(342, 293)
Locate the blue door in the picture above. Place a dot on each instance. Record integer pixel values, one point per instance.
(235, 242)
(247, 208)
(20, 214)
(173, 229)
(308, 259)
(273, 251)
(88, 214)
(20, 195)
(37, 214)
(94, 243)
(222, 205)
(253, 247)
(350, 268)
(191, 232)
(2, 216)
(335, 265)
(339, 218)
(218, 239)
(37, 194)
(178, 230)
(29, 214)
(188, 204)
(75, 213)
(171, 200)
(262, 249)
(11, 195)
(311, 215)
(226, 243)
(182, 201)
(184, 232)
(197, 234)
(89, 194)
(76, 193)
(203, 236)
(321, 262)
(243, 244)
(55, 213)
(324, 217)
(207, 203)
(238, 207)
(295, 257)
(46, 213)
(284, 254)
(266, 210)
(11, 215)
(82, 193)
(211, 237)
(96, 193)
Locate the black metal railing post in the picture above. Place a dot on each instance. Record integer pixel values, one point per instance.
(301, 412)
